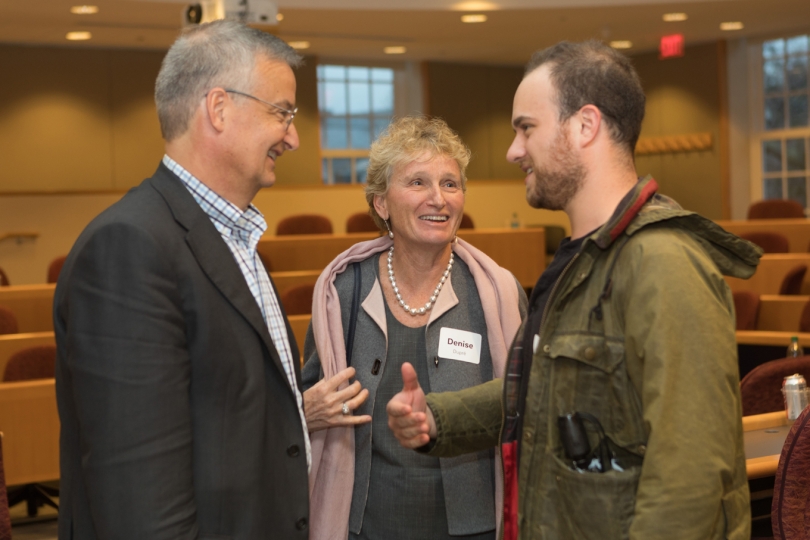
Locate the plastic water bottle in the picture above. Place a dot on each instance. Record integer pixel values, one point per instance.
(514, 223)
(794, 350)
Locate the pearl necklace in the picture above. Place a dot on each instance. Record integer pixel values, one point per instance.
(424, 309)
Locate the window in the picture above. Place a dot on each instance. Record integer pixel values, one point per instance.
(356, 104)
(782, 123)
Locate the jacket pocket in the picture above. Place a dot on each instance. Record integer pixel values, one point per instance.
(593, 350)
(595, 506)
(590, 375)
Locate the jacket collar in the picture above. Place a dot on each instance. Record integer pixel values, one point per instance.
(628, 208)
(374, 304)
(643, 207)
(212, 254)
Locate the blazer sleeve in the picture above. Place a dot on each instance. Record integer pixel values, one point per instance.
(130, 373)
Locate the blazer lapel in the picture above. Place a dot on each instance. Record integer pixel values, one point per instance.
(213, 255)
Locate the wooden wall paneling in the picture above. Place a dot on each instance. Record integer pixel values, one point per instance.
(771, 270)
(32, 304)
(30, 426)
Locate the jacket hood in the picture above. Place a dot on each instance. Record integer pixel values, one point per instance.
(643, 207)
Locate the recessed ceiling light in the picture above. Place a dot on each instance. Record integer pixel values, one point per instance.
(279, 17)
(474, 18)
(78, 36)
(84, 10)
(675, 17)
(299, 44)
(395, 50)
(732, 25)
(475, 5)
(621, 44)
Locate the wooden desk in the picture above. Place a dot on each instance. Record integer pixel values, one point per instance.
(797, 231)
(771, 338)
(521, 251)
(11, 343)
(307, 251)
(770, 273)
(285, 280)
(30, 425)
(32, 304)
(780, 313)
(764, 435)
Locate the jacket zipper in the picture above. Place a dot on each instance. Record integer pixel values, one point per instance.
(539, 333)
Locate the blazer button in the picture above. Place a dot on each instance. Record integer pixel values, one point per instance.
(375, 368)
(301, 524)
(293, 450)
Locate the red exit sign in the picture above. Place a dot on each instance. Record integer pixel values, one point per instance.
(671, 46)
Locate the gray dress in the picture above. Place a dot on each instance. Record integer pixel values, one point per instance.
(405, 497)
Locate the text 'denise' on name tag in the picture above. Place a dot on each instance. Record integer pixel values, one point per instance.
(460, 345)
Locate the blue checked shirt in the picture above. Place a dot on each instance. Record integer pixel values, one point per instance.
(241, 231)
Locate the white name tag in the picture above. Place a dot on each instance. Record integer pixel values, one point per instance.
(460, 345)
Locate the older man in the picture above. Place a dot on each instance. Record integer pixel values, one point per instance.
(177, 376)
(620, 413)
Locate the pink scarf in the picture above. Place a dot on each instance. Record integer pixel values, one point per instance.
(331, 478)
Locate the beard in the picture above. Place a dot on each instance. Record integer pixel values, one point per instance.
(556, 183)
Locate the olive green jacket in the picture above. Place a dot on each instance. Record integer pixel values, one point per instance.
(657, 367)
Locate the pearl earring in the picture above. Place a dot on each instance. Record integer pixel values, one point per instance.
(390, 232)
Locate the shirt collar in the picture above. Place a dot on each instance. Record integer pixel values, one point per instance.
(246, 227)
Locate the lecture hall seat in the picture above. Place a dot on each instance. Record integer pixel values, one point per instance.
(792, 282)
(761, 388)
(28, 364)
(54, 268)
(770, 242)
(775, 209)
(304, 224)
(746, 309)
(298, 300)
(791, 490)
(8, 321)
(361, 222)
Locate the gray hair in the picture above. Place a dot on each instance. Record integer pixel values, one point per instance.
(404, 140)
(220, 53)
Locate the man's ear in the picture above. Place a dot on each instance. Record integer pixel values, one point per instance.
(380, 206)
(590, 122)
(216, 105)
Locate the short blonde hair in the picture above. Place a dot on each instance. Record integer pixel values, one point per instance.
(404, 140)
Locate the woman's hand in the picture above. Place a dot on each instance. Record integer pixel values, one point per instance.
(323, 403)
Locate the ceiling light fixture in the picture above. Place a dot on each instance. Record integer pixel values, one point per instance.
(675, 17)
(84, 10)
(474, 18)
(298, 45)
(279, 17)
(398, 49)
(732, 25)
(475, 6)
(621, 44)
(78, 36)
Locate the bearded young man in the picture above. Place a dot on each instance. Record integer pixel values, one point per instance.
(631, 327)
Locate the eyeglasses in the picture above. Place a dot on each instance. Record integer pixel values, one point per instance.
(288, 114)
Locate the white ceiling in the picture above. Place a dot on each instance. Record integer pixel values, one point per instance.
(429, 29)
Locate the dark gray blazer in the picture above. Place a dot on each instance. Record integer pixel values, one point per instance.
(178, 421)
(468, 480)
